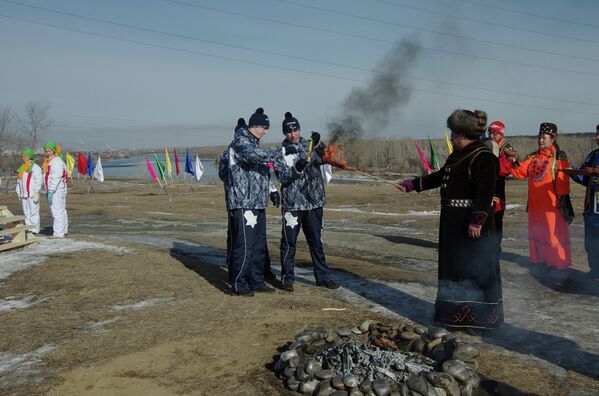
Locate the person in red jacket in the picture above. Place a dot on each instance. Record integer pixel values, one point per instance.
(548, 232)
(507, 158)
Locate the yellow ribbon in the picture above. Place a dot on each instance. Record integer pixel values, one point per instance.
(26, 167)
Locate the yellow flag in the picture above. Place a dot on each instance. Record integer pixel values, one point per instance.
(449, 145)
(70, 164)
(169, 168)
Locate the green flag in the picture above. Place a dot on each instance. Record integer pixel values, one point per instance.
(160, 167)
(434, 162)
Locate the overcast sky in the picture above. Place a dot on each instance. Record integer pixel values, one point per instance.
(180, 72)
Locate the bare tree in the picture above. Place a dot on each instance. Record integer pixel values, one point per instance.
(35, 122)
(6, 138)
(9, 142)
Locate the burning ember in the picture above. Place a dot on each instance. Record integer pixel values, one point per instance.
(379, 359)
(330, 157)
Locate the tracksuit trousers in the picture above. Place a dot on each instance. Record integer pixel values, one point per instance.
(311, 222)
(247, 231)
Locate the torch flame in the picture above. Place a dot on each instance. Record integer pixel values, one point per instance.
(330, 157)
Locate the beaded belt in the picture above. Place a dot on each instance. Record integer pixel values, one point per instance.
(457, 203)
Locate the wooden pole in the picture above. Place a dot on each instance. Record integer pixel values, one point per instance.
(369, 175)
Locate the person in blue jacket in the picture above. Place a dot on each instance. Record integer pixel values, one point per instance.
(590, 179)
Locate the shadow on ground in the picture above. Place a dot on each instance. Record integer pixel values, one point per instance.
(209, 263)
(555, 349)
(573, 281)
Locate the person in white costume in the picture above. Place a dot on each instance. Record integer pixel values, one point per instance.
(29, 184)
(55, 179)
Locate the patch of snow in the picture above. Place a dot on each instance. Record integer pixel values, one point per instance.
(351, 210)
(424, 213)
(142, 304)
(34, 254)
(14, 303)
(154, 223)
(16, 369)
(162, 213)
(101, 326)
(513, 206)
(409, 213)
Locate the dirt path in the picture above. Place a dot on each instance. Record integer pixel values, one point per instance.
(150, 317)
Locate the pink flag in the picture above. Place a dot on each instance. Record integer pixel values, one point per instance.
(423, 158)
(151, 170)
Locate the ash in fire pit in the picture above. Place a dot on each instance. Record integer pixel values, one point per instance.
(379, 359)
(369, 362)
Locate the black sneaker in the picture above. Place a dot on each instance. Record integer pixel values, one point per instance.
(264, 289)
(329, 284)
(288, 288)
(592, 275)
(232, 292)
(269, 275)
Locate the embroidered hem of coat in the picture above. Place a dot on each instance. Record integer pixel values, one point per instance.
(469, 313)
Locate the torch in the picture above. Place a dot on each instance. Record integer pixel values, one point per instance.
(310, 150)
(330, 157)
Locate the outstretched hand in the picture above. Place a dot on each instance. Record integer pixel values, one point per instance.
(405, 185)
(590, 171)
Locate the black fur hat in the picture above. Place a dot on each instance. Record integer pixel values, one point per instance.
(465, 123)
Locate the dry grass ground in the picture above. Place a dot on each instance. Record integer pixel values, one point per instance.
(192, 339)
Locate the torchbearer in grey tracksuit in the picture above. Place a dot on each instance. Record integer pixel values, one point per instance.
(303, 199)
(247, 194)
(275, 198)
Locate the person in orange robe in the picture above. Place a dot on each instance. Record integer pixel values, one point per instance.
(548, 231)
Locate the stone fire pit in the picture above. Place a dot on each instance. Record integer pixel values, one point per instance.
(379, 359)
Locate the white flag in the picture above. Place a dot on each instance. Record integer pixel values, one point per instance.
(199, 168)
(327, 172)
(98, 172)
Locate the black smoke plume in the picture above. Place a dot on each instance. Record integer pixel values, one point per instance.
(370, 108)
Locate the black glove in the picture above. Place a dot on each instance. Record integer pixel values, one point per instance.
(301, 164)
(275, 198)
(291, 149)
(320, 150)
(315, 136)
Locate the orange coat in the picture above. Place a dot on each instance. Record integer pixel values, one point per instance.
(548, 232)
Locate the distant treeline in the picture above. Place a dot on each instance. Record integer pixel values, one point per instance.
(400, 155)
(390, 155)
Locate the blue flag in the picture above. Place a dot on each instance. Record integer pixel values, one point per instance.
(90, 165)
(188, 164)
